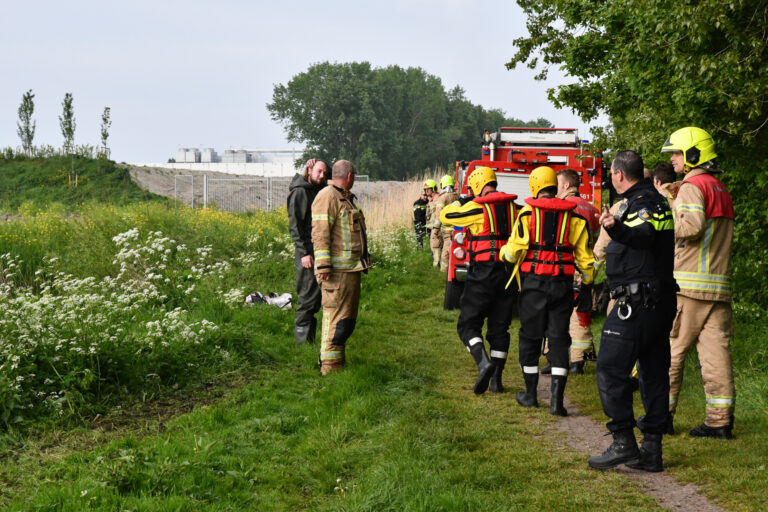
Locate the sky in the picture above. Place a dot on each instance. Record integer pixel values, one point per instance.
(199, 73)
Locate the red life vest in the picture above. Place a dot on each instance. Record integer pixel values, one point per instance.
(717, 200)
(550, 253)
(586, 210)
(499, 214)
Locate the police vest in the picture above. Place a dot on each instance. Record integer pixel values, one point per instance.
(717, 200)
(550, 253)
(499, 214)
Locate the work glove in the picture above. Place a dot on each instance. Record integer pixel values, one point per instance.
(585, 299)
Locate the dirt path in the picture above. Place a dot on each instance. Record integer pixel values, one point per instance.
(585, 435)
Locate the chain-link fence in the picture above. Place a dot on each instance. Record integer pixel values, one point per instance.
(237, 194)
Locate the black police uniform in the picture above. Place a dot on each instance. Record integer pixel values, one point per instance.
(420, 220)
(639, 268)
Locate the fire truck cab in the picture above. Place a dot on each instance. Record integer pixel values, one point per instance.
(513, 153)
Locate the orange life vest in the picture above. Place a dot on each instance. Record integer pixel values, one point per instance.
(550, 253)
(499, 214)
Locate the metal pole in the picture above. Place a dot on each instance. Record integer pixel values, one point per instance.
(193, 191)
(205, 192)
(269, 194)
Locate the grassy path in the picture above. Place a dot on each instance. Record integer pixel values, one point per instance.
(398, 430)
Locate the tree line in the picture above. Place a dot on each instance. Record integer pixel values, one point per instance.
(26, 126)
(393, 122)
(654, 67)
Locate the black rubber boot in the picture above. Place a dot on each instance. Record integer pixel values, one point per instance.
(577, 368)
(670, 428)
(704, 430)
(556, 407)
(527, 398)
(650, 455)
(622, 450)
(496, 385)
(485, 368)
(546, 369)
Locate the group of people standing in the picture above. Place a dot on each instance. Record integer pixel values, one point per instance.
(666, 251)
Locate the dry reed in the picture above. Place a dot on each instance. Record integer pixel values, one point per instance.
(389, 204)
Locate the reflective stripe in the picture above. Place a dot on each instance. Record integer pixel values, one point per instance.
(474, 341)
(331, 355)
(581, 344)
(322, 253)
(468, 350)
(689, 207)
(704, 249)
(322, 216)
(720, 401)
(498, 354)
(703, 281)
(672, 399)
(559, 371)
(530, 369)
(345, 232)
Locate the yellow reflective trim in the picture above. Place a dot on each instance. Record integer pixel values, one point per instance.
(489, 213)
(564, 220)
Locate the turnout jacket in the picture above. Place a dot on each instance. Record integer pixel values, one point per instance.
(420, 212)
(443, 199)
(570, 238)
(488, 221)
(338, 232)
(301, 193)
(642, 239)
(704, 233)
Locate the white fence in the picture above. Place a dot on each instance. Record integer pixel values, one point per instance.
(235, 194)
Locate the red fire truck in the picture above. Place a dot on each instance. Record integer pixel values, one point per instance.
(514, 153)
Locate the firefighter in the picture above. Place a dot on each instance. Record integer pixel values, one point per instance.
(704, 232)
(547, 245)
(341, 255)
(582, 342)
(488, 220)
(435, 241)
(639, 263)
(302, 191)
(446, 196)
(420, 218)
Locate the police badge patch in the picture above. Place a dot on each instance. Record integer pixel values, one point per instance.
(644, 214)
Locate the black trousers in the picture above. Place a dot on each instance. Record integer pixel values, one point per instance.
(308, 292)
(545, 307)
(420, 229)
(485, 297)
(641, 338)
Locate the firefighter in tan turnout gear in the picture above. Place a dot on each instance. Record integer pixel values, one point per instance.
(341, 255)
(435, 240)
(703, 231)
(488, 220)
(446, 196)
(548, 243)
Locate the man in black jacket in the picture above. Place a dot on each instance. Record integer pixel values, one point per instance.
(420, 218)
(302, 191)
(639, 265)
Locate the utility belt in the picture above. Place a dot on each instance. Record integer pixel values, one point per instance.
(636, 295)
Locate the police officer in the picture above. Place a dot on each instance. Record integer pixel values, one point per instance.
(549, 241)
(639, 266)
(488, 220)
(420, 218)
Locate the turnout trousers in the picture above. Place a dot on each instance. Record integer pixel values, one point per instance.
(436, 245)
(340, 298)
(308, 292)
(545, 307)
(446, 249)
(642, 337)
(709, 325)
(485, 297)
(581, 338)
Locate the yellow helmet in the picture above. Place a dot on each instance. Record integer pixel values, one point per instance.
(479, 178)
(446, 181)
(542, 177)
(430, 184)
(697, 146)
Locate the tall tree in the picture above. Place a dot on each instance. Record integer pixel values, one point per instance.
(25, 127)
(106, 124)
(67, 123)
(654, 67)
(393, 122)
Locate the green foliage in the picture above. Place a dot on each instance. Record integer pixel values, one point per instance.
(25, 127)
(391, 122)
(35, 183)
(656, 67)
(67, 123)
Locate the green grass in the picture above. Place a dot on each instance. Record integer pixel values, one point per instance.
(28, 185)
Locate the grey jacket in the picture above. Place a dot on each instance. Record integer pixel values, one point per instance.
(300, 196)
